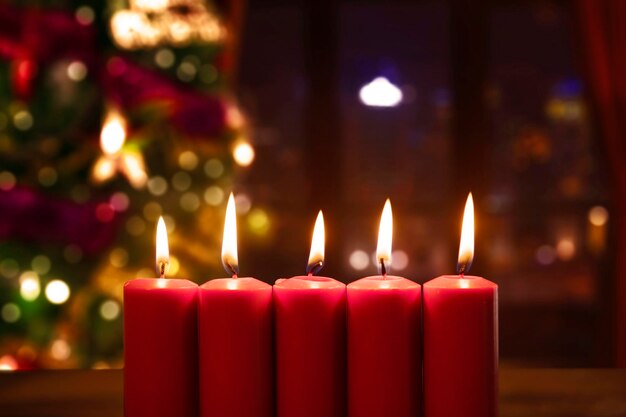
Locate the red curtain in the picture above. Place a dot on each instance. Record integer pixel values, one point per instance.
(603, 37)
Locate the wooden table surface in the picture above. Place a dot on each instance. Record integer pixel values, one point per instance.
(523, 393)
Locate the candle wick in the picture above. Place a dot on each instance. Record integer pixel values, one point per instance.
(383, 268)
(310, 274)
(233, 270)
(162, 269)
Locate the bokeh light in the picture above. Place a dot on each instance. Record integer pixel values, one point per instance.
(598, 216)
(10, 313)
(110, 310)
(30, 288)
(359, 260)
(243, 153)
(57, 291)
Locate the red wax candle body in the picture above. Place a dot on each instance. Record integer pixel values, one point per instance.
(236, 356)
(460, 347)
(310, 314)
(384, 347)
(160, 348)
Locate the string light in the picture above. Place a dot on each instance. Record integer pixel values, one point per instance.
(157, 22)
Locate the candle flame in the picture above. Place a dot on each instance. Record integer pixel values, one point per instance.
(113, 134)
(385, 232)
(466, 247)
(162, 249)
(230, 260)
(316, 256)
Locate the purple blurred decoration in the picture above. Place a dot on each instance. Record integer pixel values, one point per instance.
(31, 217)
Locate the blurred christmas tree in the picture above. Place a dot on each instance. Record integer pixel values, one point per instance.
(111, 114)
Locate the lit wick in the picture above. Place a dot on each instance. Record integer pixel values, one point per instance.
(316, 256)
(230, 259)
(466, 247)
(385, 234)
(382, 268)
(162, 249)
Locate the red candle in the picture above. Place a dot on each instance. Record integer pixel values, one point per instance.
(235, 326)
(384, 343)
(311, 340)
(160, 343)
(461, 338)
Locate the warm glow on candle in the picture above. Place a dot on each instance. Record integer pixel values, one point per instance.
(162, 249)
(385, 232)
(316, 256)
(230, 260)
(466, 248)
(113, 133)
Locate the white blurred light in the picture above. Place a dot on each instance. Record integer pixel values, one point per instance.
(400, 260)
(380, 93)
(77, 71)
(359, 260)
(243, 154)
(29, 285)
(57, 291)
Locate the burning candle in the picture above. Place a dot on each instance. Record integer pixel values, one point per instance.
(461, 338)
(310, 340)
(235, 332)
(160, 342)
(384, 338)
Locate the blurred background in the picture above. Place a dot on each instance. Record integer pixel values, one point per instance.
(113, 113)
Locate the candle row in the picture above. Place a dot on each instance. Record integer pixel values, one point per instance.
(311, 346)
